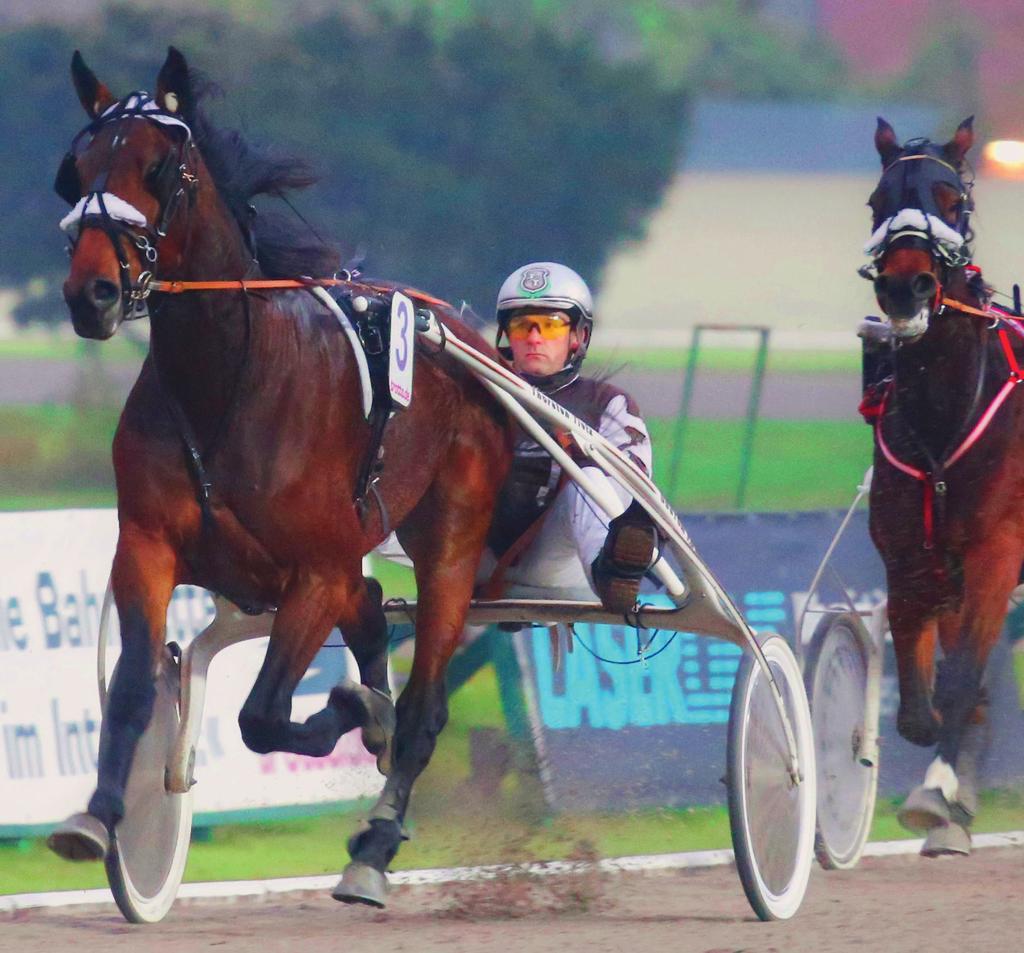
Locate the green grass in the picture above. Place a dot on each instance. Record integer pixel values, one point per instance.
(63, 499)
(795, 465)
(55, 455)
(728, 359)
(117, 350)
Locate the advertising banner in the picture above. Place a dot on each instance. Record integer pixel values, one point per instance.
(617, 727)
(53, 575)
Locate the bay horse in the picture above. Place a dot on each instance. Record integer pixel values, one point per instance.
(947, 497)
(238, 454)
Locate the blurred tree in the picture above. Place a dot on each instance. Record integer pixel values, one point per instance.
(456, 140)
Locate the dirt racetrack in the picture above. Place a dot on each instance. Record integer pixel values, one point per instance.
(888, 905)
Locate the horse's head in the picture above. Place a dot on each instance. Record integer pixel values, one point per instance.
(920, 224)
(129, 177)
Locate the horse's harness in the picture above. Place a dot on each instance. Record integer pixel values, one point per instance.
(910, 215)
(933, 480)
(94, 207)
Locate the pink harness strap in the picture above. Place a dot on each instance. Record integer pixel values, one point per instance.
(932, 487)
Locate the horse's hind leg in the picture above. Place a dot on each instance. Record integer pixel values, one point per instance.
(304, 619)
(142, 580)
(366, 633)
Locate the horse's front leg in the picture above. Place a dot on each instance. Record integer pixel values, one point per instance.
(305, 616)
(990, 575)
(142, 579)
(947, 800)
(445, 538)
(913, 635)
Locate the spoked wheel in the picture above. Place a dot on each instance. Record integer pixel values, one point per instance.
(837, 686)
(149, 848)
(772, 818)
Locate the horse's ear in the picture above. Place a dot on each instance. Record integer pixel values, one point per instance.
(94, 95)
(957, 148)
(174, 86)
(886, 143)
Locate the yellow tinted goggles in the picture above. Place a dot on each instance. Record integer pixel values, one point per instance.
(550, 326)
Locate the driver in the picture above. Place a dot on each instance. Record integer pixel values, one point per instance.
(547, 534)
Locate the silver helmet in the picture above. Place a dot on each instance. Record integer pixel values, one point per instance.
(547, 284)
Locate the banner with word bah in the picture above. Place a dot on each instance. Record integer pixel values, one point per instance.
(616, 727)
(53, 576)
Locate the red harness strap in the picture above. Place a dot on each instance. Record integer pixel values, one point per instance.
(931, 486)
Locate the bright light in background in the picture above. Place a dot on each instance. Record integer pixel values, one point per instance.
(1005, 157)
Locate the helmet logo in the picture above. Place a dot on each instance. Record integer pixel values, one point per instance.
(535, 280)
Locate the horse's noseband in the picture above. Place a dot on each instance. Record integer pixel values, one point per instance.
(95, 207)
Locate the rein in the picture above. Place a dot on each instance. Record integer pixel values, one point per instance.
(933, 480)
(265, 284)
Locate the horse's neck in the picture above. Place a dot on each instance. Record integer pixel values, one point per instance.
(199, 341)
(937, 379)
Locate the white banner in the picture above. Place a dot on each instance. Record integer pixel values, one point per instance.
(53, 574)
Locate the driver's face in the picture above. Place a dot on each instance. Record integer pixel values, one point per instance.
(541, 354)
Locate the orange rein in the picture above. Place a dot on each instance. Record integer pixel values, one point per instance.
(264, 284)
(967, 309)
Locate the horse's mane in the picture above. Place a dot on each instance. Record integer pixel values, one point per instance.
(241, 170)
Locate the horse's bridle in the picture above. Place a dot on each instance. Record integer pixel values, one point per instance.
(910, 215)
(95, 207)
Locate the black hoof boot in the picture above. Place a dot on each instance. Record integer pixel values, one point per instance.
(628, 552)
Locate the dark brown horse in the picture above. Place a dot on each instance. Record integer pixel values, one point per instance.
(947, 499)
(239, 453)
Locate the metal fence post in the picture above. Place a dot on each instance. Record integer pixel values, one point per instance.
(753, 404)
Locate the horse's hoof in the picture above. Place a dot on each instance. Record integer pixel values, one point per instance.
(918, 725)
(947, 840)
(374, 712)
(924, 809)
(361, 883)
(80, 837)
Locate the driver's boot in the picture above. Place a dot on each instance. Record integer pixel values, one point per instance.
(629, 551)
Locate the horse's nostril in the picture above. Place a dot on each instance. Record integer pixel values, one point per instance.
(923, 285)
(101, 293)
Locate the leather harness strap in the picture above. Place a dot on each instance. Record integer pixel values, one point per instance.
(933, 481)
(494, 587)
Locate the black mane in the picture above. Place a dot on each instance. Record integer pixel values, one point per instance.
(285, 247)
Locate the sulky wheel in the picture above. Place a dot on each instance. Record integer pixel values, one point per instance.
(149, 848)
(771, 816)
(837, 683)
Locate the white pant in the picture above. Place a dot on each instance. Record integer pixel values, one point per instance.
(557, 563)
